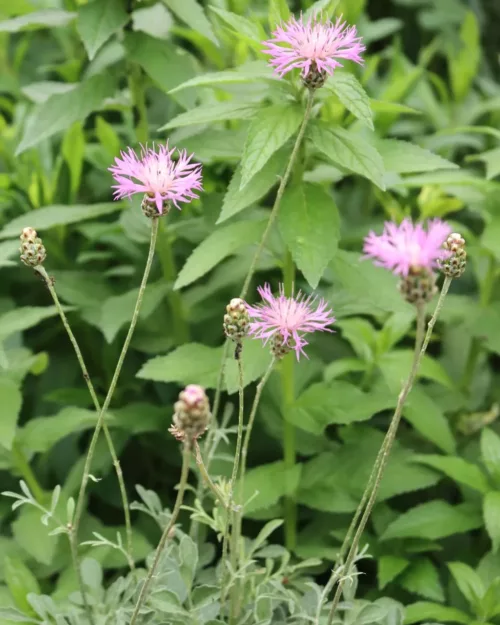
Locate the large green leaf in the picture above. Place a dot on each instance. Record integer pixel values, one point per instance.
(249, 72)
(457, 469)
(49, 18)
(348, 151)
(209, 113)
(251, 31)
(11, 401)
(30, 534)
(428, 419)
(389, 567)
(97, 21)
(490, 452)
(192, 13)
(223, 242)
(352, 95)
(422, 578)
(24, 318)
(270, 129)
(266, 484)
(424, 611)
(491, 511)
(60, 111)
(469, 582)
(402, 157)
(309, 223)
(20, 581)
(50, 216)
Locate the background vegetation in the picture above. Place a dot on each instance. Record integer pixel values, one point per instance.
(79, 82)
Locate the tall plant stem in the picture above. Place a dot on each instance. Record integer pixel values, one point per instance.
(73, 544)
(206, 477)
(288, 395)
(421, 343)
(279, 193)
(116, 463)
(116, 375)
(186, 457)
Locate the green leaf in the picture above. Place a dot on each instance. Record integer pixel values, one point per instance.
(424, 611)
(220, 244)
(49, 18)
(402, 157)
(266, 484)
(457, 469)
(352, 95)
(20, 581)
(389, 567)
(422, 578)
(60, 111)
(11, 402)
(428, 419)
(51, 216)
(24, 318)
(309, 223)
(490, 452)
(468, 581)
(236, 199)
(97, 21)
(247, 73)
(348, 151)
(491, 158)
(73, 150)
(434, 519)
(246, 29)
(278, 13)
(394, 363)
(491, 511)
(264, 534)
(270, 129)
(464, 63)
(192, 13)
(255, 360)
(30, 534)
(209, 113)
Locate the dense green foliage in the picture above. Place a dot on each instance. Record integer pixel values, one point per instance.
(412, 132)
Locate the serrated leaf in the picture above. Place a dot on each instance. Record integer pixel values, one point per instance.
(266, 484)
(389, 567)
(352, 95)
(457, 469)
(97, 21)
(422, 578)
(348, 151)
(223, 242)
(50, 216)
(424, 611)
(49, 18)
(269, 131)
(491, 511)
(192, 13)
(468, 581)
(394, 364)
(11, 402)
(60, 111)
(309, 223)
(237, 199)
(402, 157)
(434, 519)
(247, 73)
(208, 113)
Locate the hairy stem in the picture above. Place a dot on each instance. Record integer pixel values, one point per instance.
(186, 457)
(116, 463)
(116, 375)
(206, 477)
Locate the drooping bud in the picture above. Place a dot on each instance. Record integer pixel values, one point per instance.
(315, 78)
(191, 414)
(236, 320)
(32, 250)
(419, 286)
(150, 210)
(454, 265)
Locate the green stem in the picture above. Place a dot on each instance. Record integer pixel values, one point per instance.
(24, 468)
(288, 396)
(186, 457)
(206, 477)
(165, 253)
(116, 463)
(116, 375)
(76, 565)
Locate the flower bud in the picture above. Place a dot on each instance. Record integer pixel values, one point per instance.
(315, 78)
(454, 265)
(419, 286)
(279, 348)
(192, 414)
(236, 320)
(149, 208)
(32, 250)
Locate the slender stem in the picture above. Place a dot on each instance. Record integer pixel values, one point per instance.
(279, 194)
(288, 396)
(116, 463)
(167, 261)
(206, 477)
(186, 457)
(24, 468)
(116, 375)
(76, 565)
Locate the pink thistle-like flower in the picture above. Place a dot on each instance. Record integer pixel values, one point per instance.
(289, 317)
(315, 44)
(157, 175)
(407, 246)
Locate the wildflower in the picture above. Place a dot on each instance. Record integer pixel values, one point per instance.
(454, 265)
(408, 248)
(32, 250)
(158, 176)
(285, 320)
(314, 46)
(192, 414)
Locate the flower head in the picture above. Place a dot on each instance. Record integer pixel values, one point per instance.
(192, 414)
(157, 175)
(288, 319)
(408, 247)
(313, 46)
(32, 250)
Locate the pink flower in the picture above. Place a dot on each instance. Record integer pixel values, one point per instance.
(289, 317)
(408, 246)
(313, 45)
(156, 174)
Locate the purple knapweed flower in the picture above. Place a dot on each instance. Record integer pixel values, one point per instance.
(288, 318)
(157, 175)
(313, 45)
(408, 247)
